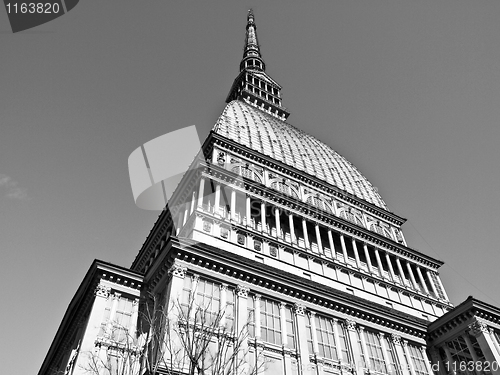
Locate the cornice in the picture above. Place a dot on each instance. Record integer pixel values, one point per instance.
(264, 276)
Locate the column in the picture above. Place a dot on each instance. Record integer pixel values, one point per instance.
(284, 336)
(433, 286)
(302, 339)
(318, 238)
(201, 192)
(306, 237)
(135, 316)
(450, 365)
(292, 229)
(389, 263)
(314, 334)
(248, 211)
(381, 337)
(408, 356)
(344, 250)
(223, 302)
(494, 339)
(177, 273)
(192, 305)
(179, 219)
(366, 360)
(367, 256)
(351, 332)
(257, 315)
(263, 216)
(217, 199)
(472, 352)
(396, 339)
(412, 278)
(401, 273)
(101, 293)
(340, 355)
(242, 321)
(426, 359)
(109, 326)
(331, 243)
(379, 263)
(193, 200)
(421, 277)
(186, 213)
(233, 204)
(277, 220)
(442, 287)
(356, 255)
(479, 330)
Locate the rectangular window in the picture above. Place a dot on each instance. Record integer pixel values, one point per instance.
(270, 321)
(374, 358)
(290, 327)
(251, 316)
(418, 360)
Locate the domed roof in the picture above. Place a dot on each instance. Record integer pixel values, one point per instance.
(259, 131)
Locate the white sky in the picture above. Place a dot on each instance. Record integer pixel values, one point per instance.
(408, 91)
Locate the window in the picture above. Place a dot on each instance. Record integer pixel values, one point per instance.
(374, 358)
(418, 360)
(251, 316)
(327, 345)
(270, 322)
(325, 332)
(290, 328)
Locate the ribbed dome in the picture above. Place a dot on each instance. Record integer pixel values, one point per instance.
(270, 136)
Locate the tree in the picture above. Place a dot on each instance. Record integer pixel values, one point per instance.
(188, 337)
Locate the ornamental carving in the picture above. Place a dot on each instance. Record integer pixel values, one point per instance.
(221, 158)
(273, 251)
(299, 309)
(350, 325)
(102, 291)
(242, 291)
(224, 233)
(257, 245)
(207, 226)
(477, 328)
(241, 239)
(177, 270)
(396, 339)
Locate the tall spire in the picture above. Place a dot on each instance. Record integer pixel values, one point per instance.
(253, 85)
(252, 58)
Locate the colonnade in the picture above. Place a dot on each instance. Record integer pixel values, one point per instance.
(289, 227)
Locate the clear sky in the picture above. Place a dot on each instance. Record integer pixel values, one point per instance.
(408, 91)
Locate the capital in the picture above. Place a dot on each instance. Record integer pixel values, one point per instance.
(396, 339)
(177, 270)
(299, 309)
(102, 291)
(477, 328)
(242, 291)
(350, 324)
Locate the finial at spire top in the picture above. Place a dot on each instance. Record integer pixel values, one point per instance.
(253, 85)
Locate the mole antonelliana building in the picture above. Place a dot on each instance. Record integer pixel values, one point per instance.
(297, 247)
